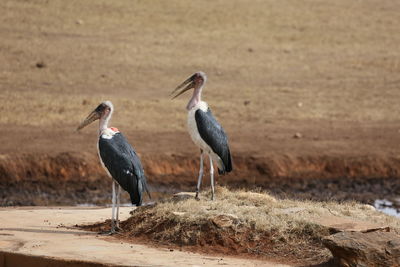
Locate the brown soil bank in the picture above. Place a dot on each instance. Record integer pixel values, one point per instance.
(77, 178)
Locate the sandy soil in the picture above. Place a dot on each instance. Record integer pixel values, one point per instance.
(48, 233)
(274, 69)
(328, 71)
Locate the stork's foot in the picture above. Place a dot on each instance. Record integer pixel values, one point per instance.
(114, 229)
(111, 232)
(197, 196)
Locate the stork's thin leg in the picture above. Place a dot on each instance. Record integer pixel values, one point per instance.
(200, 174)
(211, 177)
(113, 208)
(118, 204)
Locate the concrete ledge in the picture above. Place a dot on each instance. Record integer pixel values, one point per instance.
(38, 236)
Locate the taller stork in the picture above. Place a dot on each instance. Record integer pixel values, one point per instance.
(119, 160)
(205, 130)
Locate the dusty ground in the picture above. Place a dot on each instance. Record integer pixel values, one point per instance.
(46, 237)
(328, 71)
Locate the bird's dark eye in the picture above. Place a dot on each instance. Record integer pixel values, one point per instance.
(99, 108)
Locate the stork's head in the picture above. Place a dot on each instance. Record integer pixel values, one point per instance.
(102, 112)
(195, 81)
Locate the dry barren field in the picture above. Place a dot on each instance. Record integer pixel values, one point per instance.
(328, 70)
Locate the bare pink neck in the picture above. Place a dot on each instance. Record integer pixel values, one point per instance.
(103, 122)
(196, 98)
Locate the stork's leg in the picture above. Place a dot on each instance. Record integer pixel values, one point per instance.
(211, 177)
(200, 174)
(113, 208)
(118, 204)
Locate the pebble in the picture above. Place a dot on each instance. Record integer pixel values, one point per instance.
(297, 135)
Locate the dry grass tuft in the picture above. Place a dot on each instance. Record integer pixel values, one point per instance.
(241, 222)
(287, 218)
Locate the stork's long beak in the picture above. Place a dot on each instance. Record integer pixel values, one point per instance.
(89, 119)
(186, 85)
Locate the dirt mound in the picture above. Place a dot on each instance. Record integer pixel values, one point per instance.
(242, 223)
(209, 238)
(217, 236)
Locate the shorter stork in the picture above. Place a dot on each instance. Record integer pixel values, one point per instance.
(205, 130)
(119, 160)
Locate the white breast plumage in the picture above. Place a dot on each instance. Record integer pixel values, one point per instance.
(192, 126)
(109, 133)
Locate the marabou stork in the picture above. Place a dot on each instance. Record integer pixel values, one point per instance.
(119, 160)
(205, 130)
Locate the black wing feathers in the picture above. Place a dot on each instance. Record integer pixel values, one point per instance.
(214, 135)
(124, 165)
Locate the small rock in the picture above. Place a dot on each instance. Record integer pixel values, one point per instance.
(40, 64)
(364, 249)
(297, 135)
(369, 207)
(299, 104)
(250, 50)
(225, 220)
(79, 22)
(246, 102)
(178, 213)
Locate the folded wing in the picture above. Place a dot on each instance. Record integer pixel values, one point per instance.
(214, 136)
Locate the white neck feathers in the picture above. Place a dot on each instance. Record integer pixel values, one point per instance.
(199, 105)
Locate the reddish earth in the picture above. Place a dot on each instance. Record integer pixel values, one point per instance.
(336, 165)
(358, 162)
